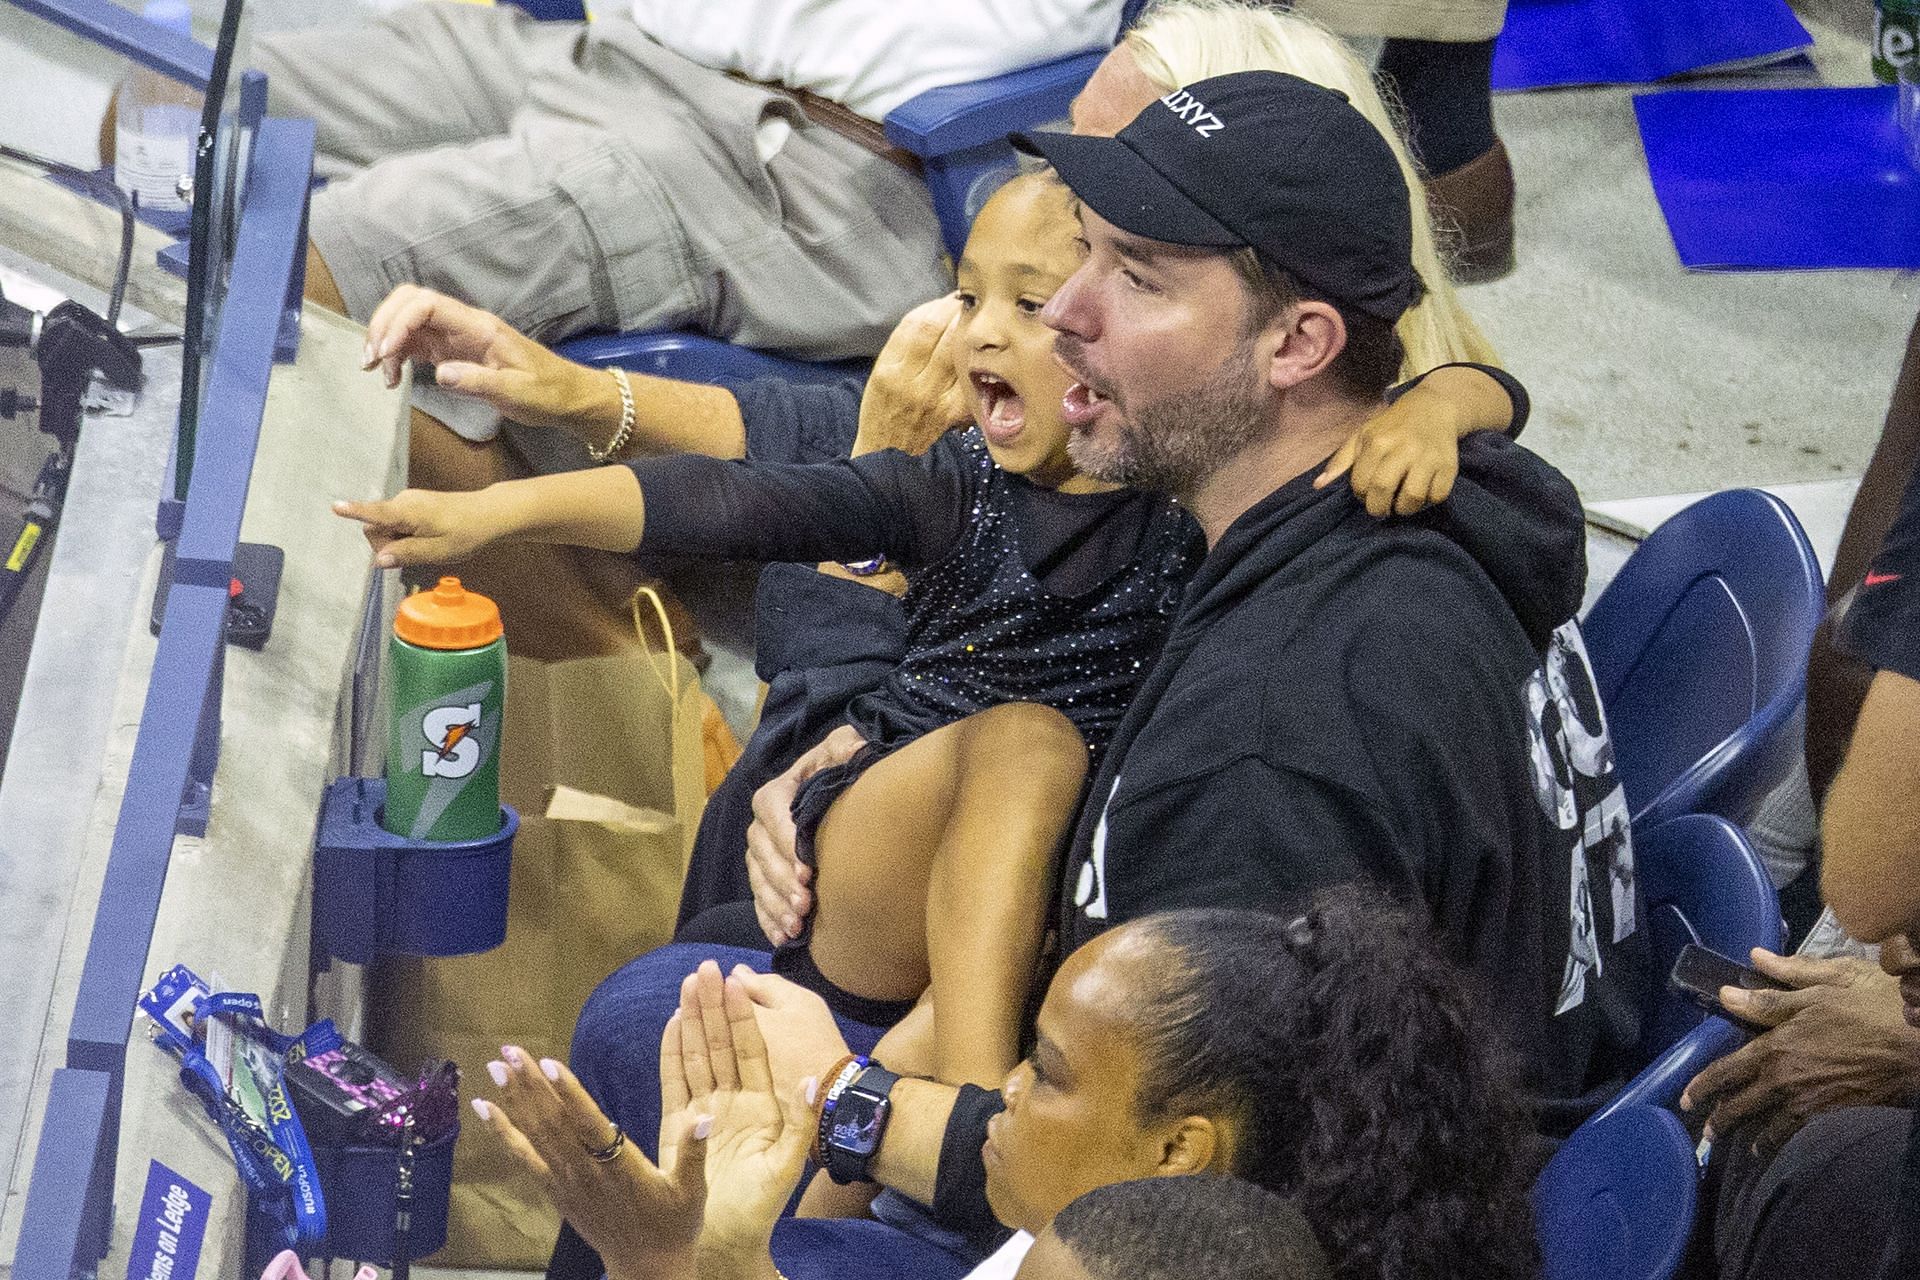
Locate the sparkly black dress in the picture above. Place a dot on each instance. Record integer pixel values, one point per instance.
(1016, 592)
(983, 627)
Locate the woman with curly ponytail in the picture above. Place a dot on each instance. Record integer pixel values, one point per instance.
(1366, 1089)
(1335, 1059)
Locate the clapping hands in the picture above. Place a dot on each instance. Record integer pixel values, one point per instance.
(723, 1125)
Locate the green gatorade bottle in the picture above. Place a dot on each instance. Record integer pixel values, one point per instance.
(1896, 30)
(449, 682)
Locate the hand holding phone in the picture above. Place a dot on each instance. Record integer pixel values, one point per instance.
(1700, 973)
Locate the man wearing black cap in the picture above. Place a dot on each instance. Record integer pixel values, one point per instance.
(1404, 702)
(1340, 698)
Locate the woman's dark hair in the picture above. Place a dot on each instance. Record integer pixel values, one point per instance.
(1347, 1051)
(1202, 1225)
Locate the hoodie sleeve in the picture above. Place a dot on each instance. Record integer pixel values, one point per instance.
(798, 421)
(1521, 521)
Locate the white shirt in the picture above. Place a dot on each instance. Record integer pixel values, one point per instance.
(1005, 1260)
(872, 55)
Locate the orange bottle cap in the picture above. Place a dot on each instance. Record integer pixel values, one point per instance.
(448, 617)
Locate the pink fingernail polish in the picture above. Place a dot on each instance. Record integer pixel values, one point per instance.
(483, 1108)
(498, 1070)
(549, 1068)
(703, 1127)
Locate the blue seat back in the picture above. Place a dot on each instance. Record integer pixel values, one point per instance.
(695, 357)
(1617, 1200)
(1702, 882)
(1699, 649)
(553, 10)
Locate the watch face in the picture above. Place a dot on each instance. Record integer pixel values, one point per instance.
(858, 1119)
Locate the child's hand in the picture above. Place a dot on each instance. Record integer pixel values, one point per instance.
(915, 393)
(1402, 460)
(422, 526)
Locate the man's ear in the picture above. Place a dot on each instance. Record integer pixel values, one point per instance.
(1305, 339)
(1193, 1144)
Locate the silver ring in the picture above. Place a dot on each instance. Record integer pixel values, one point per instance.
(610, 1152)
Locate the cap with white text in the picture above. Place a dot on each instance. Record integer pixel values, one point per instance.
(1262, 159)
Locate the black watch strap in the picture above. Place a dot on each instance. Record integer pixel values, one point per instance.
(869, 1093)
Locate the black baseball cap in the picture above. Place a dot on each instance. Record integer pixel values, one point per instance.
(1260, 159)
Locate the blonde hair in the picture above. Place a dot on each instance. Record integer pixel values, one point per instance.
(1178, 42)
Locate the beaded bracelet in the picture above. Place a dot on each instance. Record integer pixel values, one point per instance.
(833, 1084)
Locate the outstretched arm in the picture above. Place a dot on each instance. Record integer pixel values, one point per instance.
(475, 353)
(601, 507)
(1406, 457)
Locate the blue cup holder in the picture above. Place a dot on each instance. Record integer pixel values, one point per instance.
(376, 893)
(360, 1184)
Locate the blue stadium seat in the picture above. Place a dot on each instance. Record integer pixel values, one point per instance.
(1617, 1200)
(959, 134)
(554, 10)
(1702, 882)
(1699, 649)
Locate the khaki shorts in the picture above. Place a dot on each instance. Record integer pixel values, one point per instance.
(572, 177)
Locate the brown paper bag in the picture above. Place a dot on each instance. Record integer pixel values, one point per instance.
(604, 759)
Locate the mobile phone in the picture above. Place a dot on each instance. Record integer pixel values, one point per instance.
(1700, 973)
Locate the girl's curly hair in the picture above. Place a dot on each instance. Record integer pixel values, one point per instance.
(1362, 1083)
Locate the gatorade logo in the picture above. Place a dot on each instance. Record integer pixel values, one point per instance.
(1893, 40)
(455, 752)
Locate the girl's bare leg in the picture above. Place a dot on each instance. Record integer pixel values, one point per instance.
(934, 874)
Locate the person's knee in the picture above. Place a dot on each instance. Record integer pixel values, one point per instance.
(618, 1033)
(1028, 739)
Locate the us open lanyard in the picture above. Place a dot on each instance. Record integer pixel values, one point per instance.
(275, 1161)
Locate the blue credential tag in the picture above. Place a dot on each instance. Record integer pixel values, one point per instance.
(173, 1222)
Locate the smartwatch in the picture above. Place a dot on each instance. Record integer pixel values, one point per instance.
(859, 1119)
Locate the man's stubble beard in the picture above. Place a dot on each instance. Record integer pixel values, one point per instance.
(1172, 445)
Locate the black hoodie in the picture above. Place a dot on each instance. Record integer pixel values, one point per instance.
(1345, 698)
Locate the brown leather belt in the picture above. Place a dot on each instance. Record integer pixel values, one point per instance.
(849, 124)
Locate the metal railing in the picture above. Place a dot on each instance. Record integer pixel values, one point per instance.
(67, 1222)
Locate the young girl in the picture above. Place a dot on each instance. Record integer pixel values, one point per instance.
(1037, 598)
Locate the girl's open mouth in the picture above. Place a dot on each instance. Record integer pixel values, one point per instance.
(999, 410)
